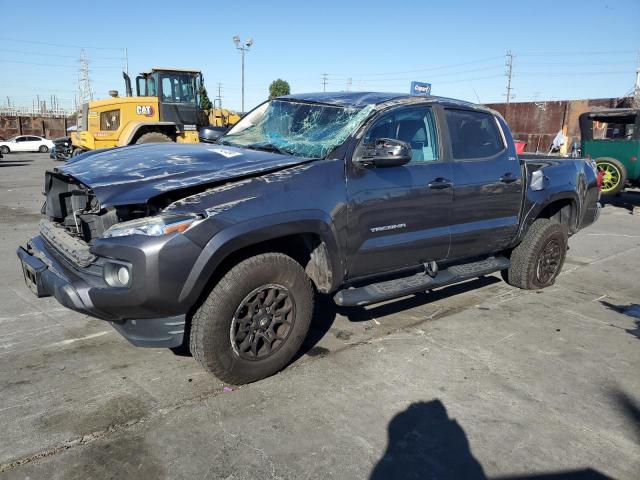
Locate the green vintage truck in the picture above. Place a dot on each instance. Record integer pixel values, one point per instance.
(612, 138)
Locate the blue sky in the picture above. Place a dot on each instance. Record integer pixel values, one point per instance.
(569, 49)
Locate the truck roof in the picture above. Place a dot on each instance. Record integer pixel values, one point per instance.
(170, 69)
(361, 99)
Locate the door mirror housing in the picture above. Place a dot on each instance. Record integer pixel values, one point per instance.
(211, 134)
(386, 152)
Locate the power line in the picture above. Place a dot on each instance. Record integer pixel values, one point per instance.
(55, 65)
(22, 52)
(422, 69)
(324, 81)
(59, 44)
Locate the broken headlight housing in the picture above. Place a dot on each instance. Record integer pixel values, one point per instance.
(162, 224)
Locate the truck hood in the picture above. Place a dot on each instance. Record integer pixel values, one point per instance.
(133, 175)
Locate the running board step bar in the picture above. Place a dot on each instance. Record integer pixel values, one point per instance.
(390, 289)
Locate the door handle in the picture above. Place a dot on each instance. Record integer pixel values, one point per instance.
(508, 178)
(440, 183)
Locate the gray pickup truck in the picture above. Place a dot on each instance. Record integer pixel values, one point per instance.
(220, 248)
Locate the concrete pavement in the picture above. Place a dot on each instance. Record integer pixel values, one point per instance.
(478, 380)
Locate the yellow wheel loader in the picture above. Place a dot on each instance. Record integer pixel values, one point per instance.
(165, 108)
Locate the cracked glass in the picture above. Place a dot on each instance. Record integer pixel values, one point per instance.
(297, 128)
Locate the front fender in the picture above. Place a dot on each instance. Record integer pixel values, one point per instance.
(255, 231)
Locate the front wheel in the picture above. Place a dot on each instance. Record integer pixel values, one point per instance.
(4, 149)
(254, 320)
(614, 175)
(43, 149)
(538, 260)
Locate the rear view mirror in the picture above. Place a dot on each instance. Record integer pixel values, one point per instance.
(386, 152)
(211, 134)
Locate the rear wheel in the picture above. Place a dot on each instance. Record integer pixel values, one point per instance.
(43, 149)
(254, 320)
(4, 149)
(153, 137)
(615, 175)
(538, 260)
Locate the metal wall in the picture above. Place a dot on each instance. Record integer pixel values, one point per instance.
(537, 123)
(41, 126)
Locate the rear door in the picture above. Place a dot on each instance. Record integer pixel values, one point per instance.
(398, 216)
(33, 144)
(487, 184)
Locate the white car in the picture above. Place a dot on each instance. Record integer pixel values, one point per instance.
(26, 143)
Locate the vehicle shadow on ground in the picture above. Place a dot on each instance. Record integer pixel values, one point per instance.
(632, 310)
(627, 200)
(14, 163)
(326, 311)
(423, 442)
(631, 409)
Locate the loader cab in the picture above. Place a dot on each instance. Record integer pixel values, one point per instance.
(178, 94)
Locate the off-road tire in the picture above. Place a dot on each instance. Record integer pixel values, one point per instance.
(76, 152)
(153, 137)
(211, 339)
(4, 149)
(43, 149)
(526, 258)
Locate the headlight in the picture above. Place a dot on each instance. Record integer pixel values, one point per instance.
(154, 226)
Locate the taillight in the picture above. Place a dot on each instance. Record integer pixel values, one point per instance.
(634, 159)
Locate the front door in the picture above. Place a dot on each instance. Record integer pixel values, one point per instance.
(21, 144)
(399, 216)
(177, 100)
(487, 184)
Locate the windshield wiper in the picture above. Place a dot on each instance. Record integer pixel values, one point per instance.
(269, 147)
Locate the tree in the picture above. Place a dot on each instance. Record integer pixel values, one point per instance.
(278, 88)
(205, 103)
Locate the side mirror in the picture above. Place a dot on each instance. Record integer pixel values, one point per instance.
(211, 134)
(386, 152)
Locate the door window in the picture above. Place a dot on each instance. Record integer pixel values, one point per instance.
(414, 125)
(21, 139)
(473, 134)
(34, 139)
(178, 88)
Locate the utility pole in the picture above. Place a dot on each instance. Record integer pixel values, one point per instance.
(349, 81)
(243, 47)
(509, 75)
(636, 90)
(324, 81)
(220, 94)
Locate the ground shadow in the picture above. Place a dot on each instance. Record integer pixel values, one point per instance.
(326, 310)
(627, 200)
(632, 310)
(424, 443)
(631, 408)
(14, 163)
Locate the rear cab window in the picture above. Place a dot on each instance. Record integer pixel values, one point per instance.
(474, 135)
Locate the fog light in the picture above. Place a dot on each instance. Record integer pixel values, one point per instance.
(117, 274)
(123, 275)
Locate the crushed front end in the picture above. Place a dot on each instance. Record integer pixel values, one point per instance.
(132, 281)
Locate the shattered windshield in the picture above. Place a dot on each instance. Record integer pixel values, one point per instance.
(296, 128)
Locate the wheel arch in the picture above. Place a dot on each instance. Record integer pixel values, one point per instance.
(135, 130)
(311, 240)
(562, 207)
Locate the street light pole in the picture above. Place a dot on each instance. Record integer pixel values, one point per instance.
(243, 47)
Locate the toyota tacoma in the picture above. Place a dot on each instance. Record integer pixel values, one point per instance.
(220, 248)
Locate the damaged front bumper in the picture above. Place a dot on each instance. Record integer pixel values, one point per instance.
(143, 313)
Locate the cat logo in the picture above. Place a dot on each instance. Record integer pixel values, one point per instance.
(146, 110)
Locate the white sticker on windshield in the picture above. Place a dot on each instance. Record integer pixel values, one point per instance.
(224, 152)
